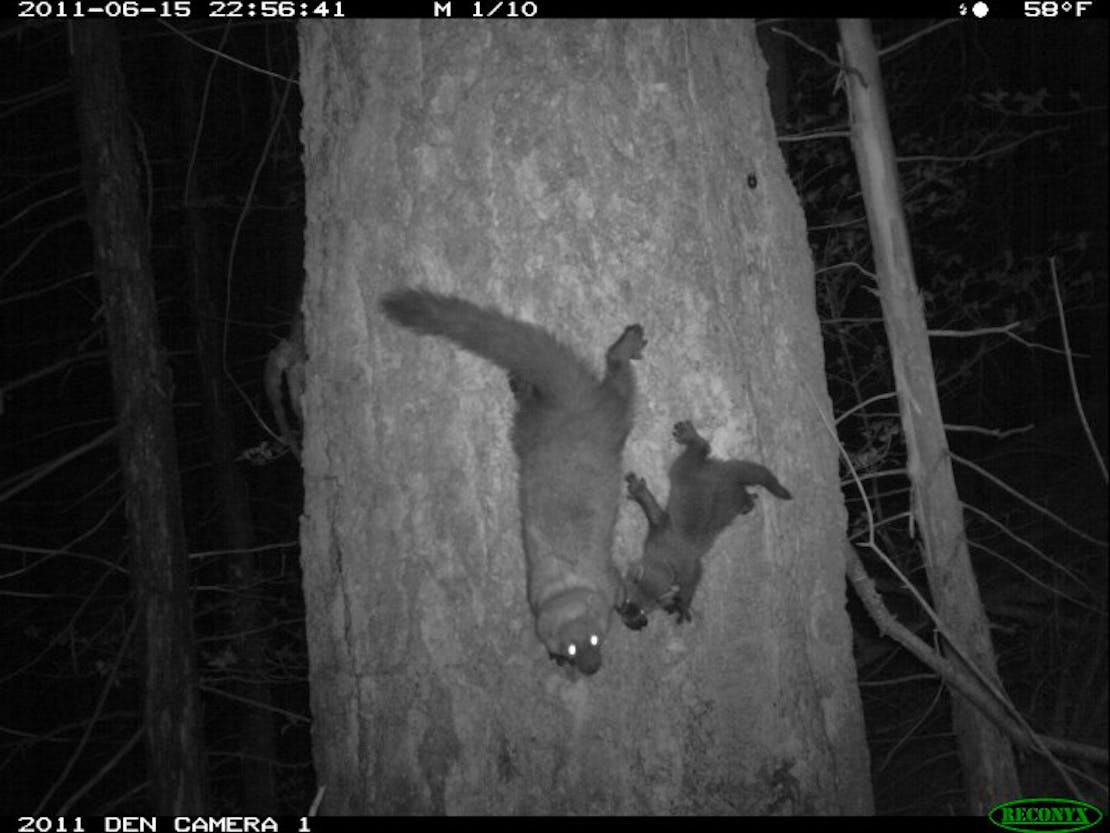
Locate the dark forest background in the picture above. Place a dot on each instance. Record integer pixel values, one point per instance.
(1001, 131)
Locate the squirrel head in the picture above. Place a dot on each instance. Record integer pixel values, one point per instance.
(573, 624)
(578, 647)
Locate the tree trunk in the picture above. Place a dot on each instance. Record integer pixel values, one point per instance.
(144, 397)
(249, 621)
(985, 753)
(585, 176)
(248, 618)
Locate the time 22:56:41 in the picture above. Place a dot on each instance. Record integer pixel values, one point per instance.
(274, 8)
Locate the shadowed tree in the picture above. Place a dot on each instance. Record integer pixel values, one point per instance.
(143, 391)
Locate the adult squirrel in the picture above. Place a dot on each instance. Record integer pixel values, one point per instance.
(568, 434)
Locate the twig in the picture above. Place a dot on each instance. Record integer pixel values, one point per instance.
(1090, 539)
(1071, 369)
(109, 685)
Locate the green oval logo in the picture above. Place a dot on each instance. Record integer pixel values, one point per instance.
(1057, 815)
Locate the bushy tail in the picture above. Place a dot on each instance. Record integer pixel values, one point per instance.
(525, 350)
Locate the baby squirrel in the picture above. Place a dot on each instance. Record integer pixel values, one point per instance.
(706, 495)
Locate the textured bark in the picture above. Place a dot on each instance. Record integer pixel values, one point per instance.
(985, 753)
(583, 175)
(143, 392)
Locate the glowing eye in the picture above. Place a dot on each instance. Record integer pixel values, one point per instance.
(571, 650)
(594, 640)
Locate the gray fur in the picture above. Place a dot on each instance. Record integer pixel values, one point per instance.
(568, 434)
(706, 495)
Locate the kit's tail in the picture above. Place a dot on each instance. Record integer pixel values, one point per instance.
(754, 474)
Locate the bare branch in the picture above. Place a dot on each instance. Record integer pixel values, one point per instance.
(1071, 369)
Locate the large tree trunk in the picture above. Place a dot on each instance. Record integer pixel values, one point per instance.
(144, 399)
(985, 753)
(584, 175)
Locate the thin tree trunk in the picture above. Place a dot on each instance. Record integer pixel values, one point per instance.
(986, 756)
(143, 395)
(248, 617)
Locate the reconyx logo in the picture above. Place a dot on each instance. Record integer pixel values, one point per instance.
(1045, 815)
